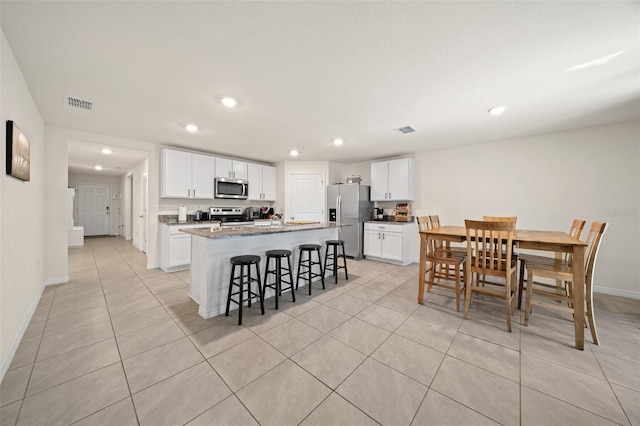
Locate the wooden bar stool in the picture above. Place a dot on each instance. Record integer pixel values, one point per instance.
(309, 249)
(245, 278)
(333, 256)
(280, 272)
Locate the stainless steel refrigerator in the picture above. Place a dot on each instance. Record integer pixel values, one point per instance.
(348, 204)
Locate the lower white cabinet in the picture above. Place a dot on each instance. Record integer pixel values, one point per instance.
(175, 247)
(394, 243)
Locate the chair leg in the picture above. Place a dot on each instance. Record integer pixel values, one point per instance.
(521, 283)
(590, 315)
(240, 294)
(467, 296)
(527, 309)
(458, 289)
(507, 292)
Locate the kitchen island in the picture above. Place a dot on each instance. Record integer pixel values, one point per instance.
(211, 249)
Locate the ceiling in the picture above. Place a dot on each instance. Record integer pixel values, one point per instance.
(84, 157)
(305, 73)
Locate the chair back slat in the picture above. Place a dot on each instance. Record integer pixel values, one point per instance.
(594, 239)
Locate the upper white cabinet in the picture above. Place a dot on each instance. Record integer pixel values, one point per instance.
(392, 180)
(185, 174)
(227, 168)
(262, 182)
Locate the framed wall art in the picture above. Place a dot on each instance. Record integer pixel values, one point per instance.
(18, 161)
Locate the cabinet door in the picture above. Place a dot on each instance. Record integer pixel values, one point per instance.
(399, 179)
(202, 176)
(379, 181)
(180, 250)
(254, 173)
(372, 243)
(176, 174)
(268, 183)
(239, 170)
(392, 245)
(223, 167)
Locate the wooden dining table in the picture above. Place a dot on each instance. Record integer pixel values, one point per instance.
(553, 241)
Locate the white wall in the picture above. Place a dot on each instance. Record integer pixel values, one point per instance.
(546, 180)
(22, 257)
(115, 207)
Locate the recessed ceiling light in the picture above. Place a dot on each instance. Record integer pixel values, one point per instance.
(191, 128)
(229, 102)
(98, 167)
(106, 151)
(498, 110)
(338, 141)
(293, 153)
(595, 62)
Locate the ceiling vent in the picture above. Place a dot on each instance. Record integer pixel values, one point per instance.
(406, 129)
(78, 103)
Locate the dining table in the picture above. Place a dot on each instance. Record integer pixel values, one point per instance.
(550, 241)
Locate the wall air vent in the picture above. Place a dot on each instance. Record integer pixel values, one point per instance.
(78, 103)
(406, 129)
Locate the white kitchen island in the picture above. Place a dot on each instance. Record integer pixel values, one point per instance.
(212, 248)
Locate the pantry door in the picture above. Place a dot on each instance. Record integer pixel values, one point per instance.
(94, 203)
(306, 197)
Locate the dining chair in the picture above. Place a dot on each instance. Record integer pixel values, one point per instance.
(562, 271)
(576, 230)
(444, 265)
(513, 219)
(490, 252)
(445, 271)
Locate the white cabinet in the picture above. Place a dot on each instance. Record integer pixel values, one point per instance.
(227, 168)
(390, 242)
(262, 182)
(392, 180)
(186, 175)
(175, 247)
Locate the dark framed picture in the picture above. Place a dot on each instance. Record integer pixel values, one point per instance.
(18, 163)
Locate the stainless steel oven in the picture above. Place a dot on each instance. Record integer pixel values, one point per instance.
(237, 189)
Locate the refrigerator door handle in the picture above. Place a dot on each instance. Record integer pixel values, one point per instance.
(338, 209)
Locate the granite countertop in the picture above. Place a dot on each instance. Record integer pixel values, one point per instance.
(204, 223)
(389, 222)
(250, 231)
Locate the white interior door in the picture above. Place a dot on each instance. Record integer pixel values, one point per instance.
(143, 215)
(94, 203)
(306, 197)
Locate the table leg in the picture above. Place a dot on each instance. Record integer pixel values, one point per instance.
(578, 294)
(423, 269)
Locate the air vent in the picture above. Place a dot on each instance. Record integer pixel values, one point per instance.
(78, 103)
(406, 129)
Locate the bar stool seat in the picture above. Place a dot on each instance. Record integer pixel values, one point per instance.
(245, 278)
(309, 249)
(333, 255)
(280, 272)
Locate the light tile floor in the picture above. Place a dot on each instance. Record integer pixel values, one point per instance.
(123, 345)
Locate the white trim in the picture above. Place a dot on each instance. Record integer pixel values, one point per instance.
(57, 280)
(16, 341)
(154, 266)
(616, 292)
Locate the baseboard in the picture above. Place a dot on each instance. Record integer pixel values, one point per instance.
(152, 266)
(57, 280)
(616, 292)
(16, 341)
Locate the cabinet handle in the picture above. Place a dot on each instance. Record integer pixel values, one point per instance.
(188, 193)
(378, 235)
(194, 192)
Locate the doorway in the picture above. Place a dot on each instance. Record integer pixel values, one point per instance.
(306, 197)
(94, 205)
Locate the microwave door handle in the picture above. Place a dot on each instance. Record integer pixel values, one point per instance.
(244, 190)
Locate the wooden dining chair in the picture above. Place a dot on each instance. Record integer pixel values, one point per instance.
(446, 269)
(490, 252)
(513, 219)
(576, 231)
(562, 271)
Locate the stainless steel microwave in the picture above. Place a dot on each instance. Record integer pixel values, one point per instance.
(231, 188)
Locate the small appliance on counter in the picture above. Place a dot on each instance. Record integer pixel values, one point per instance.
(201, 216)
(252, 213)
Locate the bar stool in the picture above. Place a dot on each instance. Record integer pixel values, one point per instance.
(244, 262)
(280, 273)
(308, 263)
(334, 265)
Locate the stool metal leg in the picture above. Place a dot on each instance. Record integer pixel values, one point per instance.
(293, 293)
(259, 281)
(233, 271)
(321, 268)
(240, 294)
(309, 270)
(344, 259)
